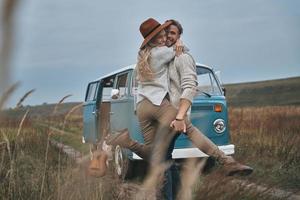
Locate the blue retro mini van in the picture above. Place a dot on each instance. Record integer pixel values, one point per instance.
(105, 112)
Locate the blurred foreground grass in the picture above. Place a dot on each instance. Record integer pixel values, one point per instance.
(266, 138)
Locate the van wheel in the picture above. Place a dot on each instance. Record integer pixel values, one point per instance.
(122, 165)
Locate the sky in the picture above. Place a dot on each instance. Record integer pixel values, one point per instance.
(62, 45)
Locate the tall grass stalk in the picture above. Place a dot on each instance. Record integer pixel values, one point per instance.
(47, 150)
(19, 104)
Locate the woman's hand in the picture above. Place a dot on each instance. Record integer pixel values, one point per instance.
(178, 47)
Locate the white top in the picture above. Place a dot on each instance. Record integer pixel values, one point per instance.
(156, 89)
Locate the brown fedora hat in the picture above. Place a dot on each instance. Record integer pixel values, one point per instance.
(150, 28)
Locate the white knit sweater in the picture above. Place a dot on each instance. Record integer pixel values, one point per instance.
(156, 89)
(174, 75)
(183, 78)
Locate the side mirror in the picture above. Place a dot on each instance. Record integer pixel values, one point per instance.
(224, 91)
(115, 93)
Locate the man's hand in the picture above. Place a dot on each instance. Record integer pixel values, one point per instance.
(179, 126)
(179, 47)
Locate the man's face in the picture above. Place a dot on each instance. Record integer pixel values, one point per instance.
(172, 35)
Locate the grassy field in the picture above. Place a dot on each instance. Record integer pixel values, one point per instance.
(266, 138)
(264, 93)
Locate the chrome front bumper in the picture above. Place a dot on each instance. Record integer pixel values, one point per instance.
(193, 152)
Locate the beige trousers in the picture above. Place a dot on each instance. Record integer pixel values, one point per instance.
(155, 126)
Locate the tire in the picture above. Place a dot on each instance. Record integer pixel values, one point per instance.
(123, 166)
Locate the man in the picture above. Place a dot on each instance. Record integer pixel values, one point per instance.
(183, 86)
(183, 83)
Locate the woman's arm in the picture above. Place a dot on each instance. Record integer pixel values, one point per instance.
(162, 55)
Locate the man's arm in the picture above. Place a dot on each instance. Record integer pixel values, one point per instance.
(184, 106)
(186, 67)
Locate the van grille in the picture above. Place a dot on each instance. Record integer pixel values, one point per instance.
(198, 108)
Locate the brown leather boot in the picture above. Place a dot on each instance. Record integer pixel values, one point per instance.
(121, 138)
(98, 167)
(235, 168)
(230, 166)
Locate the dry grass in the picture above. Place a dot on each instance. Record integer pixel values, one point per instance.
(19, 104)
(265, 138)
(268, 139)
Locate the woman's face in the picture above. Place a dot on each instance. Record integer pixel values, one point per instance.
(160, 39)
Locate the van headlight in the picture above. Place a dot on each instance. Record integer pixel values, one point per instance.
(219, 125)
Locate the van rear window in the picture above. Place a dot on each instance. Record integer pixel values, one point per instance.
(91, 95)
(122, 84)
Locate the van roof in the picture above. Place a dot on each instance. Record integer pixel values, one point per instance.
(132, 67)
(116, 72)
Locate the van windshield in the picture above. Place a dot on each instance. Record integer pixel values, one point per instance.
(207, 82)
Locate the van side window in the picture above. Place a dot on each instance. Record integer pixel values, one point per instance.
(122, 84)
(134, 83)
(107, 84)
(134, 88)
(91, 95)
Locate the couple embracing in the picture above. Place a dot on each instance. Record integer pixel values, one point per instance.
(167, 84)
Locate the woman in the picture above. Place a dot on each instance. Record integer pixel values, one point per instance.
(154, 111)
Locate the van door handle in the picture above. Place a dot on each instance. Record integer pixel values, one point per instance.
(111, 113)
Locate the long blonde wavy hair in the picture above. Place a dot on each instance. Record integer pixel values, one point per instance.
(144, 71)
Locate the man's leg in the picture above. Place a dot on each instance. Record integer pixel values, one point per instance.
(201, 141)
(207, 146)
